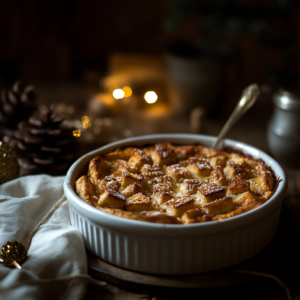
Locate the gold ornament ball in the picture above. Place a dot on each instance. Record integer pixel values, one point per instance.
(9, 167)
(13, 251)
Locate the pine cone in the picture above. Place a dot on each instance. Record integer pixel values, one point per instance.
(15, 105)
(44, 143)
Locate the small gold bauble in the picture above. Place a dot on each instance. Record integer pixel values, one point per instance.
(9, 167)
(13, 252)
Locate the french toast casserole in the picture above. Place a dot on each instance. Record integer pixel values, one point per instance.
(172, 184)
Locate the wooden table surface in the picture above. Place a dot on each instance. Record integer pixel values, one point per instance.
(263, 288)
(251, 129)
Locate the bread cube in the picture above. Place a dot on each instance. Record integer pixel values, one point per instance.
(151, 171)
(231, 170)
(85, 190)
(163, 179)
(132, 189)
(195, 215)
(119, 154)
(130, 178)
(248, 200)
(183, 152)
(178, 173)
(98, 168)
(138, 202)
(123, 166)
(163, 183)
(218, 177)
(178, 205)
(238, 185)
(218, 161)
(164, 154)
(112, 199)
(263, 183)
(190, 186)
(199, 167)
(220, 206)
(139, 158)
(110, 182)
(210, 191)
(160, 196)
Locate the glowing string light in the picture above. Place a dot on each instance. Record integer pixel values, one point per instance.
(150, 97)
(118, 94)
(127, 91)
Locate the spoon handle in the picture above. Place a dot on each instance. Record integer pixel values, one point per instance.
(248, 98)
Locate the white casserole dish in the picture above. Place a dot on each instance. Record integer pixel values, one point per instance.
(174, 249)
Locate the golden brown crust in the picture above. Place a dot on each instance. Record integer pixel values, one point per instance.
(176, 184)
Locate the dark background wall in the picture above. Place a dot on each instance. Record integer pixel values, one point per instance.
(60, 40)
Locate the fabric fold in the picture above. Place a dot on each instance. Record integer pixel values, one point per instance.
(57, 249)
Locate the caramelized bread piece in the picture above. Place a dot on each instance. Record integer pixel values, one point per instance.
(119, 154)
(98, 169)
(151, 171)
(139, 158)
(123, 166)
(178, 205)
(85, 190)
(220, 206)
(248, 200)
(218, 177)
(219, 161)
(231, 170)
(132, 189)
(110, 182)
(238, 185)
(199, 167)
(190, 186)
(195, 215)
(166, 179)
(164, 154)
(112, 199)
(177, 172)
(158, 217)
(163, 183)
(138, 202)
(238, 211)
(184, 152)
(263, 183)
(160, 196)
(130, 178)
(207, 152)
(210, 192)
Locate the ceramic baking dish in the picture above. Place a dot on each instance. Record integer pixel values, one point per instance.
(174, 249)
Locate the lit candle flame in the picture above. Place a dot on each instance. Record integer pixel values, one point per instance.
(86, 122)
(77, 133)
(150, 97)
(118, 94)
(127, 91)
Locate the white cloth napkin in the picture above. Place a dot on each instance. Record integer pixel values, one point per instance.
(57, 249)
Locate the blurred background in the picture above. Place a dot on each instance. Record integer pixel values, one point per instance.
(127, 68)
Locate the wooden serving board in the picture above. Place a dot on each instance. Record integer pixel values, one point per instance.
(276, 259)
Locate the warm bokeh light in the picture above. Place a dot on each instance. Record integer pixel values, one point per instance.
(118, 94)
(150, 97)
(77, 133)
(86, 122)
(127, 90)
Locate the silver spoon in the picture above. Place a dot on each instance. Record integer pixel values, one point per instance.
(248, 98)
